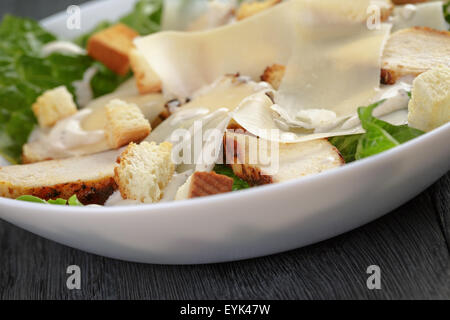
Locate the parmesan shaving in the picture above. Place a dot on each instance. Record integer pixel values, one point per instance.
(333, 65)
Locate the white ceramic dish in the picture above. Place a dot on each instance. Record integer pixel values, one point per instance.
(244, 224)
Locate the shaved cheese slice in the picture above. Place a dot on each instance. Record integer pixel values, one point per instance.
(217, 13)
(256, 115)
(332, 58)
(333, 73)
(178, 14)
(186, 62)
(422, 15)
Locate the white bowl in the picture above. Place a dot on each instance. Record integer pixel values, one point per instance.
(239, 225)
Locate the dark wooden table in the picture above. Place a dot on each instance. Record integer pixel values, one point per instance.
(410, 245)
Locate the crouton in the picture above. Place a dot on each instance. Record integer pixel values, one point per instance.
(413, 51)
(91, 178)
(201, 184)
(125, 123)
(273, 75)
(429, 106)
(263, 162)
(54, 105)
(144, 170)
(248, 9)
(147, 80)
(112, 47)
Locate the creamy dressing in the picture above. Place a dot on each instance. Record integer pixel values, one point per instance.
(67, 138)
(64, 47)
(83, 89)
(68, 134)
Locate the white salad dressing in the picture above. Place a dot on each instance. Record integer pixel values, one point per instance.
(67, 135)
(65, 47)
(83, 88)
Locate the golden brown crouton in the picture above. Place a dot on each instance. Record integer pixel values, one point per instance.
(202, 184)
(147, 80)
(112, 47)
(125, 123)
(54, 105)
(413, 51)
(144, 170)
(273, 75)
(91, 178)
(248, 9)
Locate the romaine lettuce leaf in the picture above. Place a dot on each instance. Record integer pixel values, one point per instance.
(347, 146)
(106, 81)
(73, 201)
(225, 170)
(24, 75)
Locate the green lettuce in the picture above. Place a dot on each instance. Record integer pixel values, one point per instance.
(447, 11)
(24, 75)
(238, 183)
(379, 136)
(73, 201)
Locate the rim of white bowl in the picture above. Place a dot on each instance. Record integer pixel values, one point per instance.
(234, 196)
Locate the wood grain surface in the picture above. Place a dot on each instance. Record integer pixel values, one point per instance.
(410, 245)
